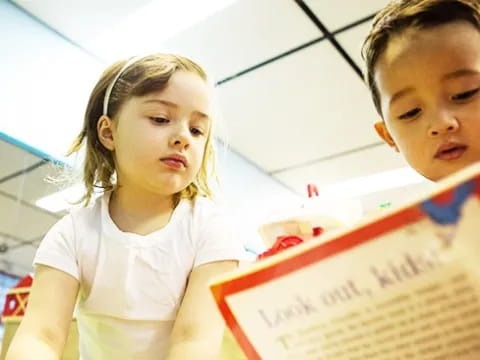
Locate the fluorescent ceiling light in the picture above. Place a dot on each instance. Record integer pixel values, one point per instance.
(146, 29)
(61, 200)
(374, 183)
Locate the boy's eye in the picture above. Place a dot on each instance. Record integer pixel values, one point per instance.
(159, 119)
(196, 131)
(465, 95)
(410, 114)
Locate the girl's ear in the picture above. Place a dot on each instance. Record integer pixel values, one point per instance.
(105, 131)
(384, 134)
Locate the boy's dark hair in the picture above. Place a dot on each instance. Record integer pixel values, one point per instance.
(400, 15)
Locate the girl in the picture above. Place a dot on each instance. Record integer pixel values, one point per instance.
(137, 262)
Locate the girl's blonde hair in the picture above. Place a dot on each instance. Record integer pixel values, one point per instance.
(146, 75)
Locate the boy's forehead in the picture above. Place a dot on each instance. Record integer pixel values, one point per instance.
(406, 43)
(443, 46)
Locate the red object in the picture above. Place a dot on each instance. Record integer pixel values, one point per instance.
(312, 190)
(444, 198)
(285, 242)
(282, 243)
(317, 231)
(17, 299)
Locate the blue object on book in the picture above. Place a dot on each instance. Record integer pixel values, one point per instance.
(449, 214)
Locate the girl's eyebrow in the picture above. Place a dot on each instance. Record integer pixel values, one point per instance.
(175, 106)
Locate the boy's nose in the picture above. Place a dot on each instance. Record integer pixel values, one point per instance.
(444, 123)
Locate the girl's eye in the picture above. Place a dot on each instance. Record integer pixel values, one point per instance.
(159, 120)
(465, 95)
(410, 114)
(196, 131)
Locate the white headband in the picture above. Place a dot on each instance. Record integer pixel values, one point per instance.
(108, 92)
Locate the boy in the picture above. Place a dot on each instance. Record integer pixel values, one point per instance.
(423, 70)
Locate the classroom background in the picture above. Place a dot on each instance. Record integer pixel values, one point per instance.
(295, 110)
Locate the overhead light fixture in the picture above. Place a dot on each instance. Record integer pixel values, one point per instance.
(144, 30)
(61, 200)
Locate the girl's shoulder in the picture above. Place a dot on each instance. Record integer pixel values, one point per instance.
(206, 213)
(205, 208)
(202, 203)
(81, 217)
(92, 210)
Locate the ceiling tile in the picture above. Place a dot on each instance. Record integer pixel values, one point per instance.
(344, 12)
(14, 159)
(360, 163)
(23, 221)
(21, 258)
(33, 185)
(234, 38)
(352, 41)
(355, 165)
(38, 69)
(303, 107)
(12, 269)
(84, 20)
(36, 243)
(8, 242)
(244, 34)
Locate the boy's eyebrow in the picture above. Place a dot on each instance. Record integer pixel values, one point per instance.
(453, 75)
(460, 73)
(173, 105)
(398, 95)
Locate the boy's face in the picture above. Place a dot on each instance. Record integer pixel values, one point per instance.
(429, 86)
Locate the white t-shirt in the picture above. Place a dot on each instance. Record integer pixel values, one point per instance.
(131, 286)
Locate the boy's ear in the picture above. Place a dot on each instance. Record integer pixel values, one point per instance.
(382, 131)
(105, 131)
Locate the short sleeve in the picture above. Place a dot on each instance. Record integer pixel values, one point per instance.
(217, 239)
(57, 248)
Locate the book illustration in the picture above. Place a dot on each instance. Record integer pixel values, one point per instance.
(449, 212)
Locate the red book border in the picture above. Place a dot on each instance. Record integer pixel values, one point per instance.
(345, 242)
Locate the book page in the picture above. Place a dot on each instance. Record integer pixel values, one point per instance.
(411, 293)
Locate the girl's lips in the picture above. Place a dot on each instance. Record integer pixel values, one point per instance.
(451, 152)
(173, 163)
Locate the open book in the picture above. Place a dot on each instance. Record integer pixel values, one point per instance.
(404, 285)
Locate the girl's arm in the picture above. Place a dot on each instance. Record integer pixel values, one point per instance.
(44, 328)
(198, 330)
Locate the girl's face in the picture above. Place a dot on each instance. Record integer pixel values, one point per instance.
(429, 85)
(159, 139)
